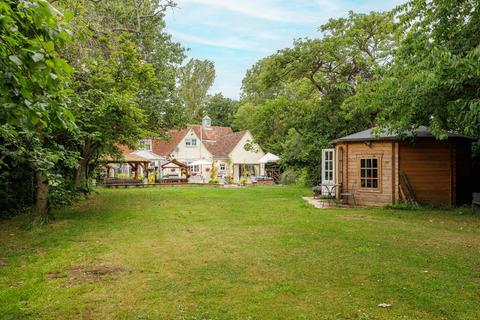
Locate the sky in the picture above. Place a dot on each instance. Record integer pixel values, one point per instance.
(235, 34)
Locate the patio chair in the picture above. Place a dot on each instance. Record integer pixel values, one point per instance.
(350, 193)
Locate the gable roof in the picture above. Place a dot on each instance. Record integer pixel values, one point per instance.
(369, 135)
(165, 148)
(219, 141)
(126, 158)
(176, 162)
(211, 133)
(225, 144)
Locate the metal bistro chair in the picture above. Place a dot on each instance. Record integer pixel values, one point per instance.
(350, 193)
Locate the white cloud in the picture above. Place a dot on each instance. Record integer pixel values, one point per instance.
(265, 9)
(231, 43)
(237, 33)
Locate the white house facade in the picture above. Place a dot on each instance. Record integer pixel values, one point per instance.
(204, 148)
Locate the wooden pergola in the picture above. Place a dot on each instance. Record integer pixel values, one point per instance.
(135, 162)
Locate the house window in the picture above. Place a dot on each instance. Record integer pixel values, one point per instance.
(223, 167)
(191, 143)
(369, 173)
(195, 168)
(145, 145)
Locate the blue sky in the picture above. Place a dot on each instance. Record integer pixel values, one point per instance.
(235, 34)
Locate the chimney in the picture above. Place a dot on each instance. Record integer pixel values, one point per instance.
(206, 122)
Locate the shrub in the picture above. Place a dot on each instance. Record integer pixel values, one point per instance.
(295, 176)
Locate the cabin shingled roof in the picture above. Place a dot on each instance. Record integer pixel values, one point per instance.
(370, 135)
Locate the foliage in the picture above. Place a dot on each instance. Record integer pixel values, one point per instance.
(34, 102)
(70, 96)
(221, 110)
(433, 78)
(196, 77)
(295, 176)
(213, 174)
(292, 100)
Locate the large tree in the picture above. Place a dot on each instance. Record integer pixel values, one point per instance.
(69, 97)
(33, 100)
(433, 78)
(294, 97)
(196, 78)
(221, 109)
(126, 69)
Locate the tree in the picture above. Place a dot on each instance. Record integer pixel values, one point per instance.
(434, 76)
(33, 95)
(70, 96)
(196, 78)
(221, 110)
(125, 80)
(292, 101)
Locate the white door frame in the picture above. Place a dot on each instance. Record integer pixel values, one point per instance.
(328, 171)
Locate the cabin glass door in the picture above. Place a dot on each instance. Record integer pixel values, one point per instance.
(328, 172)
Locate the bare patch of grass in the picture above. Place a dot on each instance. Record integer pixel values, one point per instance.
(86, 274)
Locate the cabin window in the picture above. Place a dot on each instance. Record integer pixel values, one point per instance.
(191, 143)
(369, 173)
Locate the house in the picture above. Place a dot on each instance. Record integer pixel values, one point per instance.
(378, 169)
(201, 147)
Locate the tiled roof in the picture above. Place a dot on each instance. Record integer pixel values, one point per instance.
(166, 148)
(219, 141)
(224, 144)
(212, 133)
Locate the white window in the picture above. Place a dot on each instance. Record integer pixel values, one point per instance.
(191, 143)
(223, 167)
(195, 168)
(145, 145)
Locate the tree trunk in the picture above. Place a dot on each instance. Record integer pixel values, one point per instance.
(80, 172)
(41, 197)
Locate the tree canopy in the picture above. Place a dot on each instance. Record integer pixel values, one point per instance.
(292, 101)
(196, 78)
(77, 80)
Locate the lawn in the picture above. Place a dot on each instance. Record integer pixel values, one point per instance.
(256, 253)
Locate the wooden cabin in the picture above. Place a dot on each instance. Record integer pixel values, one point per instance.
(378, 169)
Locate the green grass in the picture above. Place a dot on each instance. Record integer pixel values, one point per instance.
(256, 253)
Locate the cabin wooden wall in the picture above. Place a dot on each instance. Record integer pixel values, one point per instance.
(439, 172)
(429, 166)
(386, 152)
(464, 177)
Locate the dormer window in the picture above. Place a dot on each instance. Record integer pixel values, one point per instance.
(191, 142)
(145, 145)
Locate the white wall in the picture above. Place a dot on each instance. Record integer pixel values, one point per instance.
(190, 154)
(242, 156)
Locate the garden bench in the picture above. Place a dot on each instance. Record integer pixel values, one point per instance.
(476, 201)
(115, 183)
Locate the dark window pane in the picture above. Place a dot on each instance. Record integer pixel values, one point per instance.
(375, 173)
(363, 183)
(375, 163)
(362, 173)
(362, 163)
(369, 163)
(375, 184)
